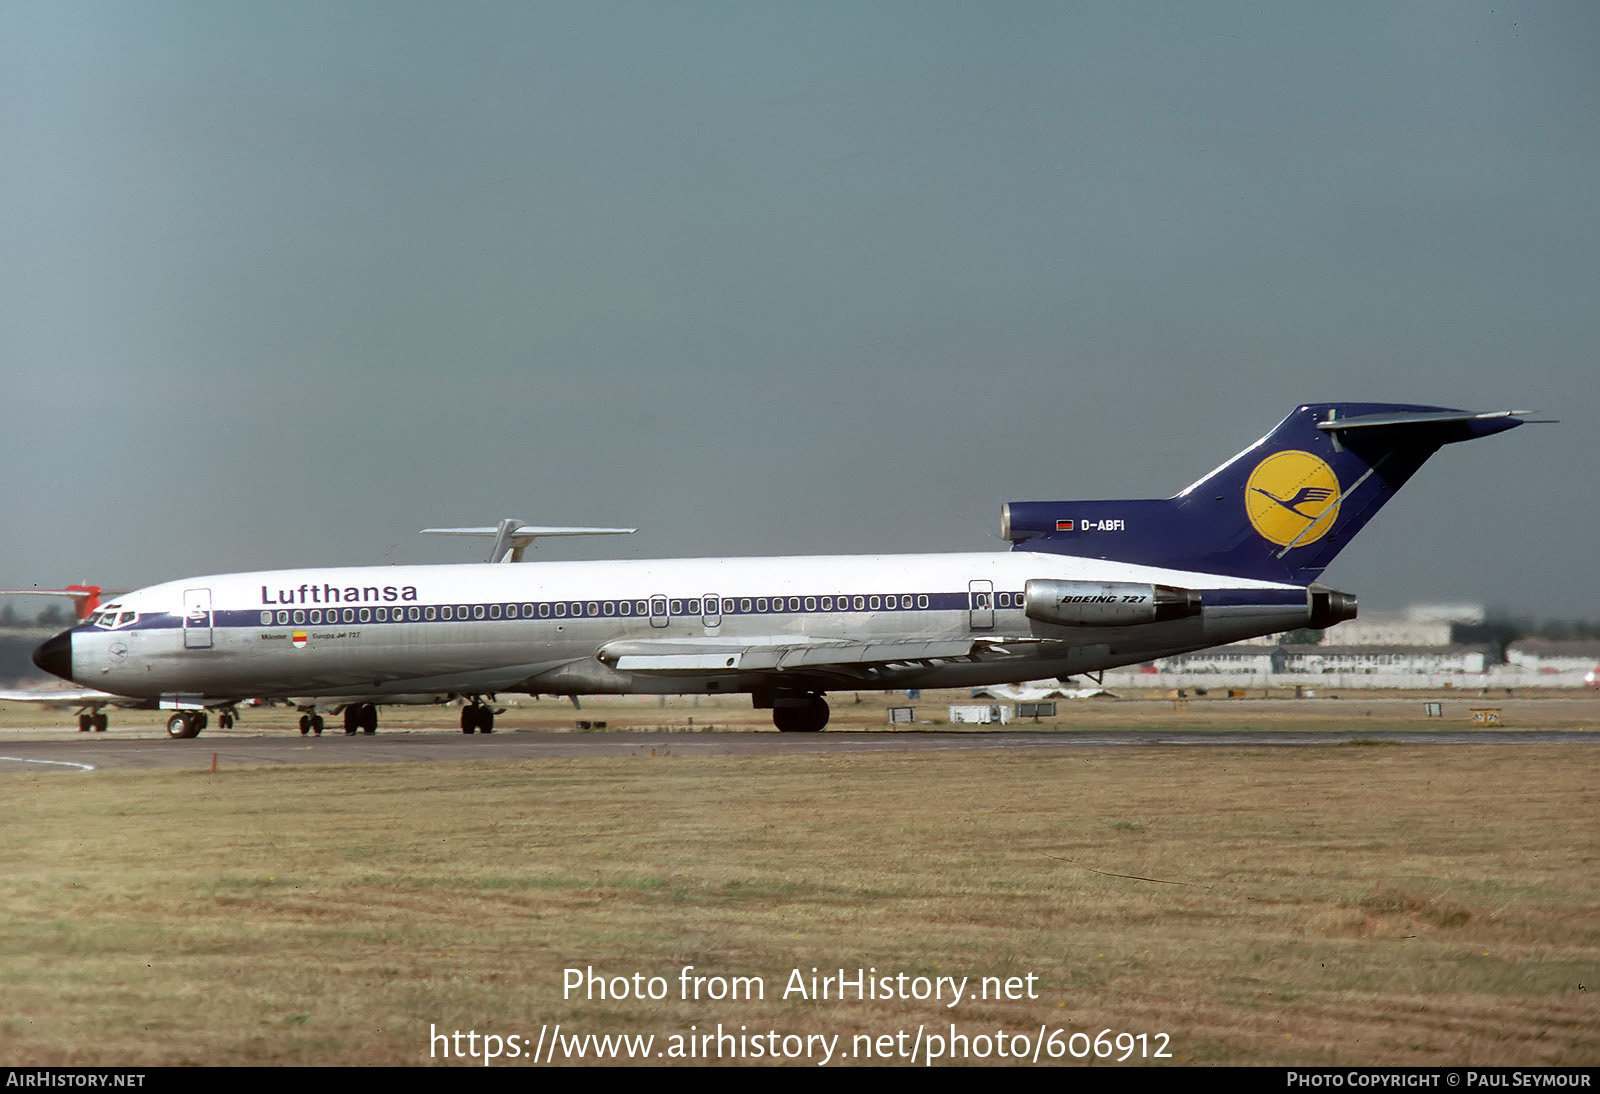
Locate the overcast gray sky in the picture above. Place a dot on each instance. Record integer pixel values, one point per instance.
(284, 283)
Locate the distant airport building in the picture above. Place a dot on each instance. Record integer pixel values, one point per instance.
(1376, 660)
(1552, 657)
(1422, 625)
(1426, 646)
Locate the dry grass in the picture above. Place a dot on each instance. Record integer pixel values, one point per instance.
(1389, 905)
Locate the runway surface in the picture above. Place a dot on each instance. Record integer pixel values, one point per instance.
(85, 754)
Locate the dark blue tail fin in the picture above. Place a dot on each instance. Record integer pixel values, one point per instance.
(1278, 511)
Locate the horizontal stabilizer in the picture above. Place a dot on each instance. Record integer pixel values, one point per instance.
(1465, 422)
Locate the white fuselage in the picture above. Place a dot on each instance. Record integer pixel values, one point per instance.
(546, 627)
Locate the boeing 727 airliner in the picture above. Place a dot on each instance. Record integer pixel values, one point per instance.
(1087, 585)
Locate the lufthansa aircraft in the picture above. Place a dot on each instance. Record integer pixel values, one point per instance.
(1087, 585)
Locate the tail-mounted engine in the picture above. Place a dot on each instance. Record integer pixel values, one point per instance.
(1106, 603)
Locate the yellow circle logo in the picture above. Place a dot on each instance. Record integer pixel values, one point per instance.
(1292, 497)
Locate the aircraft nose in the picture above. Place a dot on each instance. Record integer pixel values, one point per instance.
(55, 656)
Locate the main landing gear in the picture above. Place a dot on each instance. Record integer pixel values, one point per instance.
(360, 718)
(477, 716)
(795, 711)
(96, 722)
(186, 723)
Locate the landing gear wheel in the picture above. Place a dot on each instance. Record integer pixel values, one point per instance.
(85, 721)
(316, 724)
(368, 718)
(186, 724)
(352, 721)
(99, 722)
(305, 724)
(807, 716)
(469, 718)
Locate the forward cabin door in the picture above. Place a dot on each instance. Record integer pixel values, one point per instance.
(197, 619)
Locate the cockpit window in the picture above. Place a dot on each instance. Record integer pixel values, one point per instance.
(112, 617)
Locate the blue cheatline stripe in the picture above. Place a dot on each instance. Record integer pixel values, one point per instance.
(553, 610)
(549, 611)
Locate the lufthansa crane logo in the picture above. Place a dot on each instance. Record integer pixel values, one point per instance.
(1292, 497)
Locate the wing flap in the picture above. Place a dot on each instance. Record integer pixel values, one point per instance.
(787, 653)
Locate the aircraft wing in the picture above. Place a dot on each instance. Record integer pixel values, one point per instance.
(793, 653)
(67, 698)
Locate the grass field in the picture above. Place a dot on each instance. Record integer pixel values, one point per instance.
(1324, 905)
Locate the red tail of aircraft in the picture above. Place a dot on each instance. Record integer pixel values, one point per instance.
(85, 598)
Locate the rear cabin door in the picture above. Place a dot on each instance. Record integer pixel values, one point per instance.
(980, 604)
